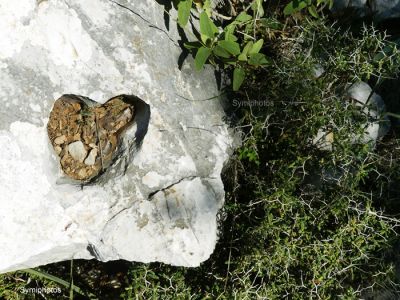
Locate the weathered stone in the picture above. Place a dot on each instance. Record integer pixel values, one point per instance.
(159, 200)
(372, 106)
(81, 122)
(60, 140)
(378, 9)
(77, 151)
(318, 71)
(58, 149)
(323, 140)
(91, 159)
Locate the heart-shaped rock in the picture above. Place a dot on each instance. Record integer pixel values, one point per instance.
(85, 135)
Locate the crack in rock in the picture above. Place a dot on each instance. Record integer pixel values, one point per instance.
(151, 195)
(147, 21)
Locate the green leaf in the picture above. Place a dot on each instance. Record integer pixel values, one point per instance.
(257, 59)
(256, 47)
(232, 47)
(207, 7)
(229, 31)
(288, 10)
(243, 55)
(386, 51)
(56, 279)
(229, 62)
(249, 28)
(221, 52)
(247, 48)
(230, 37)
(243, 17)
(257, 7)
(238, 78)
(206, 40)
(201, 57)
(294, 6)
(313, 11)
(192, 45)
(184, 7)
(207, 27)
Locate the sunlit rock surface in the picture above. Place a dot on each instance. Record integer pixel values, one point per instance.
(163, 208)
(372, 107)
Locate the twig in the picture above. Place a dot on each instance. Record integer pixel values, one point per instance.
(221, 16)
(98, 137)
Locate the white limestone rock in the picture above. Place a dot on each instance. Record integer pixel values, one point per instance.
(372, 106)
(323, 140)
(91, 158)
(77, 151)
(164, 206)
(318, 71)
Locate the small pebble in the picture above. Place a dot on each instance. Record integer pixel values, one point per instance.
(82, 173)
(77, 151)
(91, 159)
(60, 140)
(58, 149)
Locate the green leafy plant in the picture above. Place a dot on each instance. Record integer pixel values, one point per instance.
(184, 7)
(234, 47)
(313, 6)
(223, 47)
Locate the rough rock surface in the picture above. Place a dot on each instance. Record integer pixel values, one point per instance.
(379, 9)
(372, 107)
(163, 208)
(87, 136)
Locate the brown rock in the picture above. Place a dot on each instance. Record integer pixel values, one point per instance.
(60, 140)
(85, 136)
